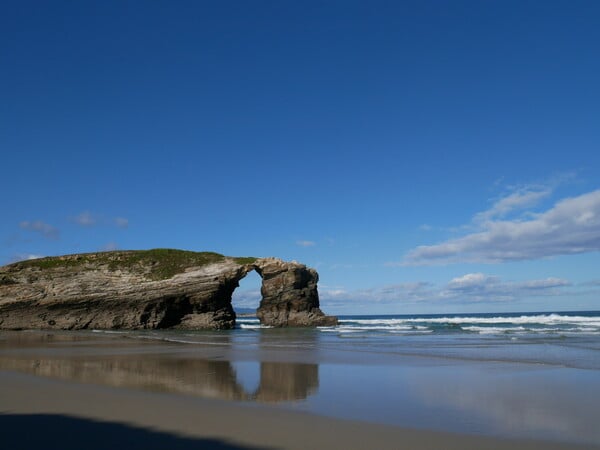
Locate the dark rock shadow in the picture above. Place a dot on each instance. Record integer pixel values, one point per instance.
(54, 432)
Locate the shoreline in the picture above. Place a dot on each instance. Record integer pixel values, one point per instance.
(193, 422)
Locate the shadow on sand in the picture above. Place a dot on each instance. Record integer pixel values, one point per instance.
(53, 432)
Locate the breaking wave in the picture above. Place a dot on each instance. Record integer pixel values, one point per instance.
(488, 324)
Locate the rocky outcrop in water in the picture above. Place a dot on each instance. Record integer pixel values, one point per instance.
(289, 294)
(152, 289)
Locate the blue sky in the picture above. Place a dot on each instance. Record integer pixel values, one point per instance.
(423, 156)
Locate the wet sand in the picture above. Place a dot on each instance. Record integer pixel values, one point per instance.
(79, 391)
(52, 414)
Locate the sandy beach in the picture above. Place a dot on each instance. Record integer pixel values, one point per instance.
(48, 413)
(73, 390)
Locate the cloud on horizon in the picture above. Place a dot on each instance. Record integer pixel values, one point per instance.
(469, 288)
(37, 226)
(571, 226)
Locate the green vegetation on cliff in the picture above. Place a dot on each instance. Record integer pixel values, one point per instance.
(156, 264)
(245, 260)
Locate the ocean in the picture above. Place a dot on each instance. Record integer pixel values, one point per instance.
(565, 323)
(570, 339)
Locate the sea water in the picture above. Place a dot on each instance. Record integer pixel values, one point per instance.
(529, 375)
(570, 339)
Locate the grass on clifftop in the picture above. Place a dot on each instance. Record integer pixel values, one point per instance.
(157, 264)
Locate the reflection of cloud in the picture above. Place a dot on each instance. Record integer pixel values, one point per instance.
(571, 226)
(46, 230)
(521, 404)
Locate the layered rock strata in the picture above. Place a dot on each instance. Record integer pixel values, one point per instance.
(152, 289)
(289, 295)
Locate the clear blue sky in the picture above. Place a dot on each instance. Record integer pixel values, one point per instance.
(424, 156)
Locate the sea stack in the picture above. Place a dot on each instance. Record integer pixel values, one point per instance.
(152, 289)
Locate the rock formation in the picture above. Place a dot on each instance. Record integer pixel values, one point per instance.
(289, 294)
(159, 288)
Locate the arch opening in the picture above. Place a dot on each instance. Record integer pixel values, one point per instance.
(246, 298)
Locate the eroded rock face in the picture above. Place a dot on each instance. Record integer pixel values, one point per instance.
(289, 295)
(65, 293)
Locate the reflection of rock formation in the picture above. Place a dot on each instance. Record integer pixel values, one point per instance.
(284, 381)
(205, 378)
(196, 377)
(152, 289)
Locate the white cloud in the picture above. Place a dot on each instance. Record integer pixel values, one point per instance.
(571, 226)
(482, 287)
(334, 293)
(402, 292)
(121, 222)
(85, 219)
(46, 230)
(337, 266)
(88, 219)
(470, 281)
(306, 243)
(468, 288)
(547, 283)
(521, 199)
(249, 298)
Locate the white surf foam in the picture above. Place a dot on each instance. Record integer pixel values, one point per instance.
(548, 319)
(252, 326)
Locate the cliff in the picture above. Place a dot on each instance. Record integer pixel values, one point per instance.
(159, 288)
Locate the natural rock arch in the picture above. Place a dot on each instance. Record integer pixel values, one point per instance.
(146, 289)
(289, 295)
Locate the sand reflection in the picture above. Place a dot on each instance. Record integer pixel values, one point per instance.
(70, 358)
(545, 402)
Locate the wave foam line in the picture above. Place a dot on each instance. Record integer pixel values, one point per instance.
(248, 326)
(549, 319)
